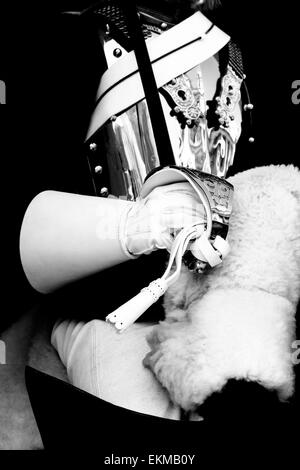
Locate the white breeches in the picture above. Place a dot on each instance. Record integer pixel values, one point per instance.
(110, 365)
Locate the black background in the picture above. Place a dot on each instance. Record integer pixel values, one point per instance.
(51, 65)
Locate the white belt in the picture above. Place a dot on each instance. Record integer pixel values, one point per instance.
(174, 52)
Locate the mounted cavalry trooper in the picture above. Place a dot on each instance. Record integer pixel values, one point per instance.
(162, 136)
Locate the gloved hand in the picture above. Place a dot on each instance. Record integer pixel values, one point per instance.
(153, 222)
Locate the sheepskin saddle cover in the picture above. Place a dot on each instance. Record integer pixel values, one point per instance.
(237, 321)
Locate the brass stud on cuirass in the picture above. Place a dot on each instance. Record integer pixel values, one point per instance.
(104, 192)
(98, 169)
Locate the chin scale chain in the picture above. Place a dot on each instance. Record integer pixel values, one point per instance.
(235, 61)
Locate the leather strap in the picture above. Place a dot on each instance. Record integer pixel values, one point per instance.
(159, 126)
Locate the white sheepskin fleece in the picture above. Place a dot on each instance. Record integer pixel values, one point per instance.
(238, 319)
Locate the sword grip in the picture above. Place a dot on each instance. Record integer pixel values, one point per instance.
(129, 312)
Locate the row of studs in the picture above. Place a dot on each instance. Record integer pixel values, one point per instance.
(98, 169)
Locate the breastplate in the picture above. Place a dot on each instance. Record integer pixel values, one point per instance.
(199, 73)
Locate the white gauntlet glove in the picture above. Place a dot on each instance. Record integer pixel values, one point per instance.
(153, 222)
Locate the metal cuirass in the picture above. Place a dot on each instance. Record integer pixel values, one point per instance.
(198, 71)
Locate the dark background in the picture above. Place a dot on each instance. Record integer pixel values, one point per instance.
(51, 66)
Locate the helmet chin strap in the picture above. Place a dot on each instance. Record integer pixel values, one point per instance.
(202, 248)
